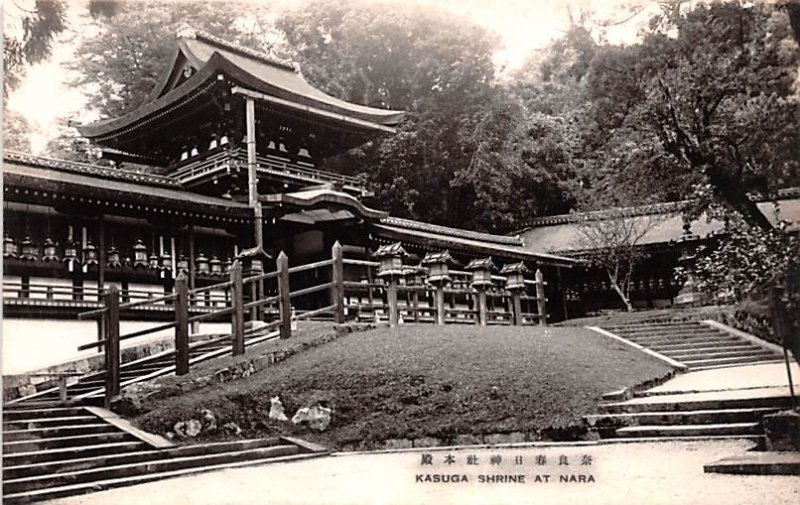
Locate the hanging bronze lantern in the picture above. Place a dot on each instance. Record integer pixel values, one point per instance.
(70, 256)
(226, 266)
(113, 259)
(139, 254)
(153, 261)
(90, 255)
(50, 250)
(9, 247)
(28, 250)
(166, 265)
(216, 266)
(183, 264)
(201, 264)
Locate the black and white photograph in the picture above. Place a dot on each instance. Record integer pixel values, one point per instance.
(346, 252)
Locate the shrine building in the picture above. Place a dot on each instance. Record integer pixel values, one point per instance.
(221, 159)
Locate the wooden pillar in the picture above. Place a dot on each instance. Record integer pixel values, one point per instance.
(337, 291)
(482, 321)
(541, 298)
(192, 274)
(237, 303)
(563, 292)
(517, 305)
(101, 267)
(391, 296)
(440, 303)
(181, 325)
(252, 174)
(415, 303)
(112, 345)
(285, 302)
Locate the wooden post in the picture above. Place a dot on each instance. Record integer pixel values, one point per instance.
(237, 303)
(181, 324)
(391, 296)
(481, 305)
(517, 304)
(415, 303)
(541, 298)
(285, 303)
(781, 333)
(112, 346)
(440, 303)
(101, 267)
(337, 291)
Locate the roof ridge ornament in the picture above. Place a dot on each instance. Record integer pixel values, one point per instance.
(192, 33)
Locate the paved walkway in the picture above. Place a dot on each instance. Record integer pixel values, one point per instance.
(770, 375)
(652, 473)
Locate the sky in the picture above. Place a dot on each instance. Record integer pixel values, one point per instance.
(523, 26)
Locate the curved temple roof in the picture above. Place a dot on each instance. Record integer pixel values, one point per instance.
(204, 56)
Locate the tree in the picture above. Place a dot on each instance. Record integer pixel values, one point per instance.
(120, 64)
(612, 240)
(714, 106)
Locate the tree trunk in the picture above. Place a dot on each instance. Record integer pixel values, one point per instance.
(621, 293)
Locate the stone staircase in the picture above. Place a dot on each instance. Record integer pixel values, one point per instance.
(52, 451)
(696, 345)
(89, 389)
(708, 415)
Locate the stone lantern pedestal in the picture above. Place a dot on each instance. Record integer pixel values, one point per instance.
(515, 284)
(481, 281)
(390, 267)
(438, 265)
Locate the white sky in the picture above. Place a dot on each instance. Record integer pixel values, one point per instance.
(523, 25)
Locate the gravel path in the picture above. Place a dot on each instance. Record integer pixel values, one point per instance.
(652, 473)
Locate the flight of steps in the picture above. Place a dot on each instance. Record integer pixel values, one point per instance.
(89, 389)
(699, 416)
(51, 451)
(694, 344)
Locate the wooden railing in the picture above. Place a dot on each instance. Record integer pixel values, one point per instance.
(271, 164)
(268, 298)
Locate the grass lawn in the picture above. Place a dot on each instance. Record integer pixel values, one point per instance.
(426, 381)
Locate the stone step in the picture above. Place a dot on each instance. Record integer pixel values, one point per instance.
(705, 402)
(699, 330)
(57, 492)
(66, 431)
(720, 348)
(757, 463)
(749, 428)
(85, 463)
(20, 446)
(10, 414)
(724, 361)
(654, 324)
(46, 422)
(752, 353)
(143, 468)
(759, 361)
(38, 456)
(654, 341)
(709, 416)
(700, 344)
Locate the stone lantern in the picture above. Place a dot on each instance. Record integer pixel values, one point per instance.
(481, 272)
(515, 275)
(28, 250)
(50, 251)
(253, 261)
(139, 254)
(9, 247)
(390, 258)
(70, 256)
(515, 283)
(201, 264)
(113, 258)
(438, 265)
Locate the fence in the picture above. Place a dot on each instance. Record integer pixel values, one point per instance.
(266, 300)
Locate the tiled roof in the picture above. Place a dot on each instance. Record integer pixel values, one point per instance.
(452, 232)
(90, 170)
